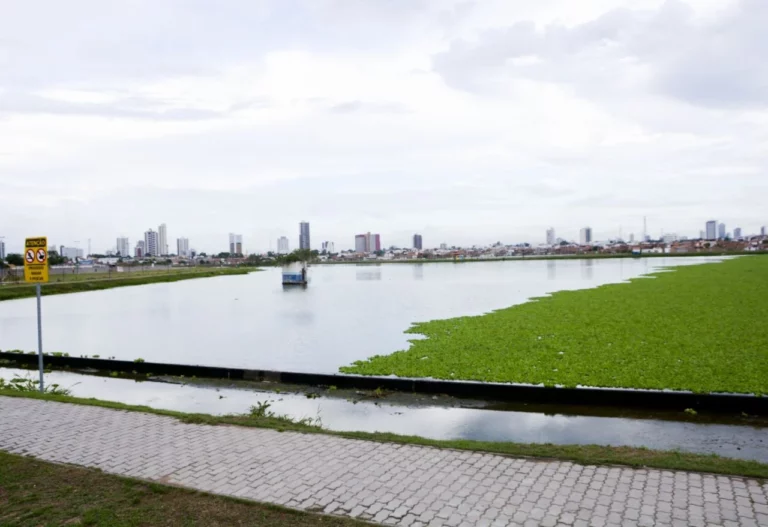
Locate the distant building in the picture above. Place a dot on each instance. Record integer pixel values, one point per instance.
(71, 253)
(762, 230)
(721, 231)
(304, 235)
(123, 247)
(361, 243)
(139, 251)
(737, 233)
(235, 243)
(670, 237)
(585, 236)
(367, 243)
(2, 250)
(443, 246)
(283, 246)
(631, 238)
(702, 235)
(162, 240)
(151, 246)
(417, 243)
(329, 247)
(551, 236)
(711, 230)
(182, 247)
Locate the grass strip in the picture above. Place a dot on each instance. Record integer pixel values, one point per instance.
(34, 492)
(582, 454)
(696, 328)
(59, 288)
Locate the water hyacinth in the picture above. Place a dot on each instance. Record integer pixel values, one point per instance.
(699, 328)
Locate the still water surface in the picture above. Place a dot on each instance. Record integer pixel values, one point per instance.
(745, 442)
(347, 313)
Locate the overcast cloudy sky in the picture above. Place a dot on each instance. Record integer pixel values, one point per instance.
(468, 122)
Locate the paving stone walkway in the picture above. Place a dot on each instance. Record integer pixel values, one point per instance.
(384, 483)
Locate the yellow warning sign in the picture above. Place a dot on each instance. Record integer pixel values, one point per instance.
(36, 259)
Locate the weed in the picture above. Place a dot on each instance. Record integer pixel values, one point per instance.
(27, 384)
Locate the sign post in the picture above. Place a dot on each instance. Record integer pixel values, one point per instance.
(36, 271)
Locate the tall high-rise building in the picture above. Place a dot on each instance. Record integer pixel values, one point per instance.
(361, 243)
(737, 233)
(721, 231)
(123, 247)
(702, 235)
(762, 230)
(376, 243)
(283, 246)
(235, 243)
(162, 240)
(711, 230)
(140, 250)
(631, 237)
(151, 243)
(585, 237)
(551, 236)
(329, 247)
(182, 247)
(2, 250)
(304, 235)
(417, 243)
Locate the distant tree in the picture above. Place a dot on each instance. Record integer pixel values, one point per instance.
(224, 255)
(15, 259)
(204, 255)
(55, 259)
(378, 253)
(563, 243)
(3, 265)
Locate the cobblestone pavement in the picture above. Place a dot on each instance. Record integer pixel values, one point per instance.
(381, 482)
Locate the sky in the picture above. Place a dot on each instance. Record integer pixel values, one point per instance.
(469, 122)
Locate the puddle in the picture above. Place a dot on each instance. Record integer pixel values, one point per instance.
(442, 421)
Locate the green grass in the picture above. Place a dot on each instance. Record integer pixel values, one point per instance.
(12, 292)
(583, 454)
(699, 328)
(36, 493)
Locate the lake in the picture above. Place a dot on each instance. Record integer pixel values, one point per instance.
(347, 313)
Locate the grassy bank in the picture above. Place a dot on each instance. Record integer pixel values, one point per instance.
(33, 492)
(95, 283)
(584, 454)
(699, 328)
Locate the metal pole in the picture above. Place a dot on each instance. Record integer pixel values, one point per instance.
(40, 339)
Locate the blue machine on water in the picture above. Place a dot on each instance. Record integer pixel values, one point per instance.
(295, 274)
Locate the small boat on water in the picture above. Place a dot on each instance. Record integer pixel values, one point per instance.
(295, 273)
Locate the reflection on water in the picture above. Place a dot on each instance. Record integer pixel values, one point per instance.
(432, 422)
(346, 313)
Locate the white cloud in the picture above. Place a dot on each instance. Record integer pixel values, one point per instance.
(468, 121)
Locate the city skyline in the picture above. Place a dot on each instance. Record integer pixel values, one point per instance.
(407, 241)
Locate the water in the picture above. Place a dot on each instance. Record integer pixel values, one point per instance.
(745, 442)
(347, 313)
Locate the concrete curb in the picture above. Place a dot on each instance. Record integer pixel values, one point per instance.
(609, 397)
